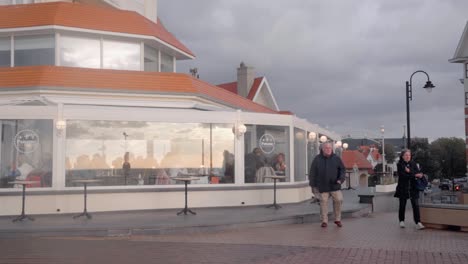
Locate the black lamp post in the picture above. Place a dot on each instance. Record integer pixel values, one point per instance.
(409, 97)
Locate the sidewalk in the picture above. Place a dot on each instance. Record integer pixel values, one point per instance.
(376, 239)
(153, 222)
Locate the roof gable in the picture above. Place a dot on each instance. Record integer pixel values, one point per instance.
(260, 92)
(264, 91)
(461, 53)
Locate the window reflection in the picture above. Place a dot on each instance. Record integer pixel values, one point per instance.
(151, 59)
(300, 164)
(80, 52)
(148, 153)
(121, 55)
(166, 63)
(312, 149)
(5, 52)
(26, 152)
(34, 50)
(267, 149)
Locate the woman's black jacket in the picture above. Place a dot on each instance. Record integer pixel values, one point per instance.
(406, 187)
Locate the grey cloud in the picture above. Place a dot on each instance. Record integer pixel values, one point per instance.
(342, 64)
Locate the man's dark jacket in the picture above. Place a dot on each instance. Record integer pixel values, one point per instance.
(325, 172)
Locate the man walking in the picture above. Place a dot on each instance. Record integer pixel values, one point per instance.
(327, 173)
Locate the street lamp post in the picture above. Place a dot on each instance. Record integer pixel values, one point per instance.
(382, 130)
(409, 97)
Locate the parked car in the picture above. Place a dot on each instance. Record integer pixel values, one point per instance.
(445, 185)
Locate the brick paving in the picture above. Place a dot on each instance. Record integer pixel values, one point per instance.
(376, 239)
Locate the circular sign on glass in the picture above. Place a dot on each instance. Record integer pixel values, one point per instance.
(26, 141)
(267, 143)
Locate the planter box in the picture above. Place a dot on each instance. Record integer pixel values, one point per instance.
(462, 198)
(442, 216)
(386, 188)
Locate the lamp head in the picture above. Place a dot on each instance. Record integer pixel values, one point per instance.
(429, 86)
(312, 136)
(239, 130)
(338, 144)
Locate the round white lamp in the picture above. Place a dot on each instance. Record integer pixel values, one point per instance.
(323, 139)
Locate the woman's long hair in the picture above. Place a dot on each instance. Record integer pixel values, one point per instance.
(403, 152)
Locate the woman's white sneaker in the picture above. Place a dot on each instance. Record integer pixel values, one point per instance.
(402, 224)
(420, 226)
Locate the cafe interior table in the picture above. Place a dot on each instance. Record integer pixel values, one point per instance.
(275, 178)
(186, 180)
(85, 183)
(23, 183)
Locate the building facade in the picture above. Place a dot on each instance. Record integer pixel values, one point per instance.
(461, 56)
(89, 90)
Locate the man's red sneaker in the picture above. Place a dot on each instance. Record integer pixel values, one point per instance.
(324, 225)
(338, 223)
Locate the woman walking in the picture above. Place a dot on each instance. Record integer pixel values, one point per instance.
(408, 172)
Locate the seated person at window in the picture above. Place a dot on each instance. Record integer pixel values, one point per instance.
(279, 164)
(13, 171)
(253, 161)
(23, 167)
(21, 170)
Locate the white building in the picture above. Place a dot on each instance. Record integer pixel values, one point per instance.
(90, 91)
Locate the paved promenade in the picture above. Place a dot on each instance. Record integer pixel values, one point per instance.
(256, 234)
(374, 239)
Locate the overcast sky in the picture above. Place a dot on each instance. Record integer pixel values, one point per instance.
(342, 64)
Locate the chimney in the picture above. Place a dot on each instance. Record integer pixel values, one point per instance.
(245, 78)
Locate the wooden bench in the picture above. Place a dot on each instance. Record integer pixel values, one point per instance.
(367, 198)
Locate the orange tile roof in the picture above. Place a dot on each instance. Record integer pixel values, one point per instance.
(231, 87)
(372, 150)
(118, 80)
(87, 17)
(255, 87)
(351, 157)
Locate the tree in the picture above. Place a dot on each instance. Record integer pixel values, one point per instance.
(449, 154)
(420, 151)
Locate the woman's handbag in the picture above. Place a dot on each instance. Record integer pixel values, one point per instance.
(421, 183)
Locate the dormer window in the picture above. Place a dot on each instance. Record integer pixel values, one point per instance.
(5, 44)
(80, 52)
(34, 50)
(167, 63)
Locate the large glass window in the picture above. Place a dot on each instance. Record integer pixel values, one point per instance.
(148, 153)
(312, 149)
(5, 51)
(121, 55)
(166, 63)
(151, 59)
(267, 153)
(26, 152)
(300, 145)
(34, 50)
(80, 52)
